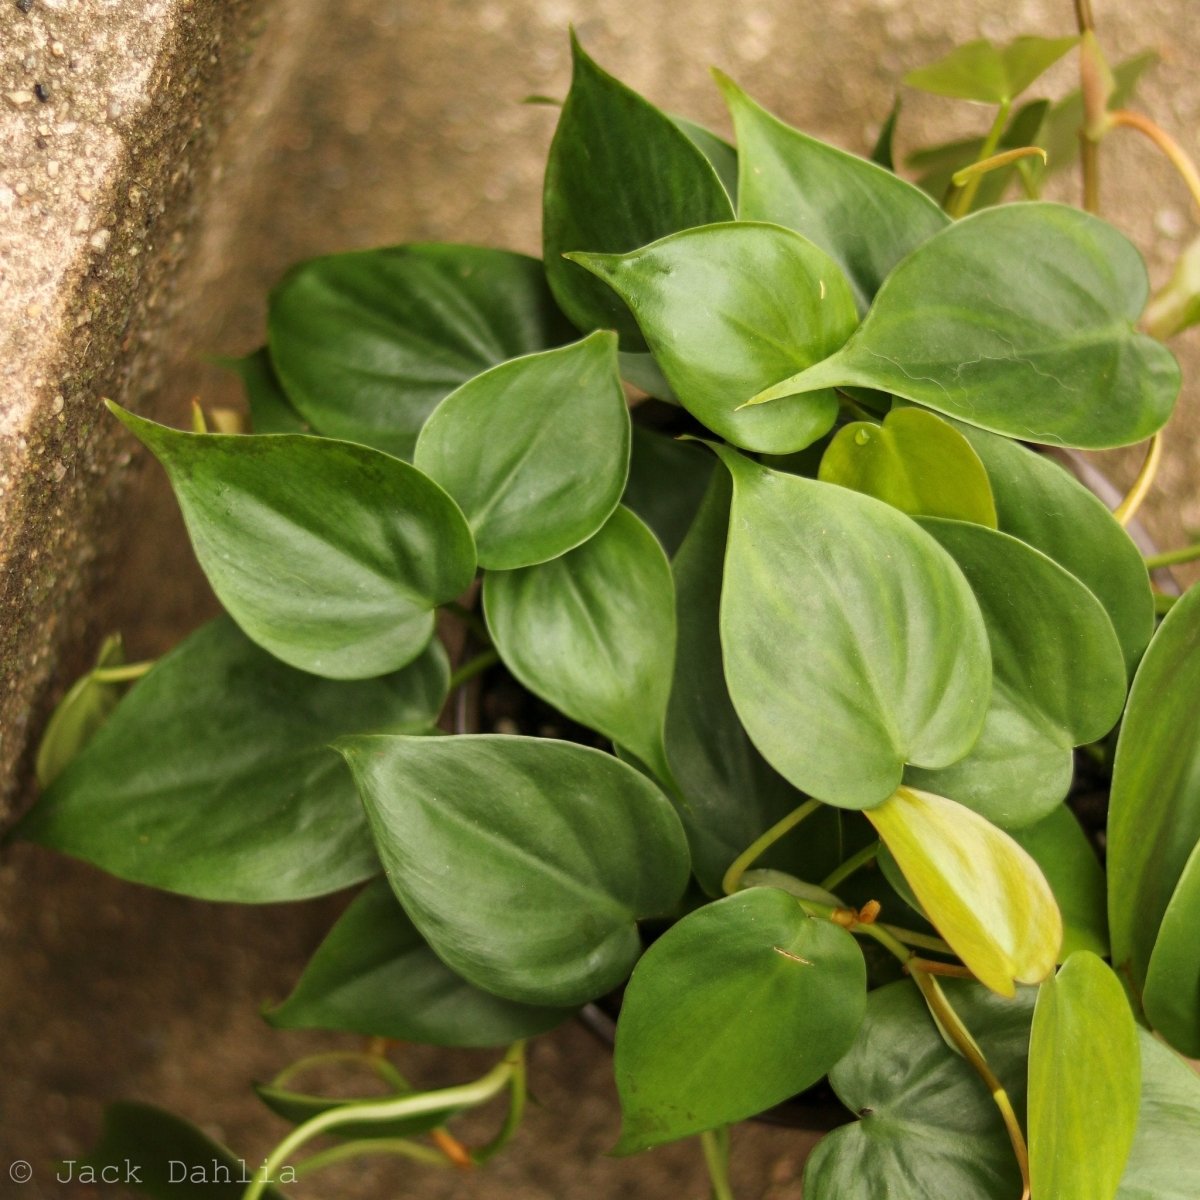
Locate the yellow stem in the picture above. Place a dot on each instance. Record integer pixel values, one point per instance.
(1127, 509)
(1179, 157)
(995, 162)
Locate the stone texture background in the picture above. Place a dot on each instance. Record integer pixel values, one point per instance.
(201, 147)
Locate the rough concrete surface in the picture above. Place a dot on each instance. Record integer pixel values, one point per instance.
(350, 124)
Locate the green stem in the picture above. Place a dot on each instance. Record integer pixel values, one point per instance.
(373, 1062)
(715, 1143)
(922, 941)
(959, 202)
(126, 673)
(852, 864)
(518, 1091)
(473, 667)
(361, 1148)
(1171, 558)
(466, 1095)
(993, 163)
(762, 844)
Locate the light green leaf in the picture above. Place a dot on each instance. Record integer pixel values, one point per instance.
(1084, 1083)
(593, 633)
(667, 481)
(1057, 669)
(738, 1006)
(535, 451)
(863, 216)
(213, 778)
(376, 975)
(1042, 504)
(1154, 808)
(1177, 306)
(927, 1126)
(526, 863)
(1172, 995)
(1068, 860)
(833, 622)
(366, 343)
(329, 555)
(1019, 319)
(989, 74)
(620, 174)
(915, 462)
(982, 892)
(774, 303)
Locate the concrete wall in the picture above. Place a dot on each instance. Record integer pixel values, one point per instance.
(186, 153)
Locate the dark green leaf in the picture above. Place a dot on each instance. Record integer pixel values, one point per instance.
(525, 862)
(297, 1108)
(833, 623)
(593, 633)
(376, 975)
(331, 556)
(1057, 669)
(743, 1003)
(167, 1157)
(535, 451)
(928, 1127)
(367, 343)
(1040, 503)
(1172, 995)
(718, 152)
(1084, 1082)
(774, 303)
(639, 369)
(1154, 809)
(730, 794)
(620, 174)
(863, 216)
(884, 153)
(214, 778)
(1061, 848)
(989, 74)
(914, 461)
(1019, 319)
(270, 409)
(667, 479)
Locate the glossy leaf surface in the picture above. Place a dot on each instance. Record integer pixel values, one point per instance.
(535, 451)
(1018, 319)
(863, 216)
(365, 344)
(730, 793)
(214, 777)
(270, 409)
(738, 1006)
(982, 892)
(928, 1126)
(1154, 808)
(1172, 995)
(1084, 1083)
(593, 632)
(329, 555)
(525, 862)
(620, 174)
(376, 975)
(915, 462)
(834, 620)
(667, 481)
(774, 304)
(1042, 504)
(990, 74)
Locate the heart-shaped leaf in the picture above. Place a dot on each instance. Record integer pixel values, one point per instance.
(331, 556)
(593, 633)
(774, 303)
(1058, 676)
(1172, 995)
(863, 216)
(526, 863)
(1019, 319)
(1040, 503)
(620, 174)
(914, 461)
(833, 621)
(367, 343)
(990, 74)
(213, 778)
(1154, 807)
(1177, 306)
(535, 451)
(1084, 1083)
(667, 481)
(982, 892)
(730, 793)
(927, 1124)
(376, 975)
(738, 1006)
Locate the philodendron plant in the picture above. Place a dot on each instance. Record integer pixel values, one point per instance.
(805, 650)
